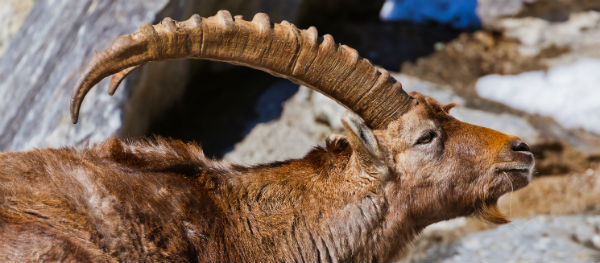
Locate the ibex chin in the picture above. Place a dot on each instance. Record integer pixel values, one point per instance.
(404, 164)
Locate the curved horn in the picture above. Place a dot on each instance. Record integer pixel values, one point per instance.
(282, 50)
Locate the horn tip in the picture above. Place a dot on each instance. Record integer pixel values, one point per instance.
(112, 89)
(74, 112)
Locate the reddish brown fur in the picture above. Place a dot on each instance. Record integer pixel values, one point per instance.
(163, 200)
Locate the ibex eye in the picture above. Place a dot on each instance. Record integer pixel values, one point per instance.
(426, 138)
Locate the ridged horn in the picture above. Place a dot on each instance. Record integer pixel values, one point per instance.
(281, 50)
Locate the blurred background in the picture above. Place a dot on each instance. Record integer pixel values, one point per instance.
(525, 67)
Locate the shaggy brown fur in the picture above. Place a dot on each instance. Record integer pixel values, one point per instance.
(358, 199)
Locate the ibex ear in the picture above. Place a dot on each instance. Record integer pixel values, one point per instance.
(365, 145)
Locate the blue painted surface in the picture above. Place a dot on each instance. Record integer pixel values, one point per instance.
(457, 13)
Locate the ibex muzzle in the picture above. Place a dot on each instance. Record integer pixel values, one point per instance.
(404, 164)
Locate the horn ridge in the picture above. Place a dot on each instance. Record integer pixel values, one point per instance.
(295, 32)
(308, 53)
(279, 49)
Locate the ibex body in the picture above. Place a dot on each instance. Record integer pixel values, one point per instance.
(359, 198)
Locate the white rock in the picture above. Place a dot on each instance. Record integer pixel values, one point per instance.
(568, 93)
(580, 33)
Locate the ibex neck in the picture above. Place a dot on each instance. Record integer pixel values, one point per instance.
(323, 212)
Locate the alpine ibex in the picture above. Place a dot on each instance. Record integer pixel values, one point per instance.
(407, 165)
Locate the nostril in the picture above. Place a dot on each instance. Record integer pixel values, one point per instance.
(520, 146)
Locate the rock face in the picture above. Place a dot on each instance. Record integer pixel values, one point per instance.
(46, 56)
(42, 63)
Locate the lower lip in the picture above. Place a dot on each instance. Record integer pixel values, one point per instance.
(516, 171)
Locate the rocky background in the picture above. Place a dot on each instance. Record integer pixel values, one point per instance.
(526, 67)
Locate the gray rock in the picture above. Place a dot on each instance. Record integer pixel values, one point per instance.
(43, 62)
(47, 55)
(295, 133)
(537, 239)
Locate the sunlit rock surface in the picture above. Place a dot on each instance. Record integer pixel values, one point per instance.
(12, 15)
(306, 121)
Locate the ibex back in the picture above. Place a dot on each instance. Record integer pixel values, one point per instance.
(404, 164)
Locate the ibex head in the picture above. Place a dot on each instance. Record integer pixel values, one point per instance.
(443, 167)
(436, 166)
